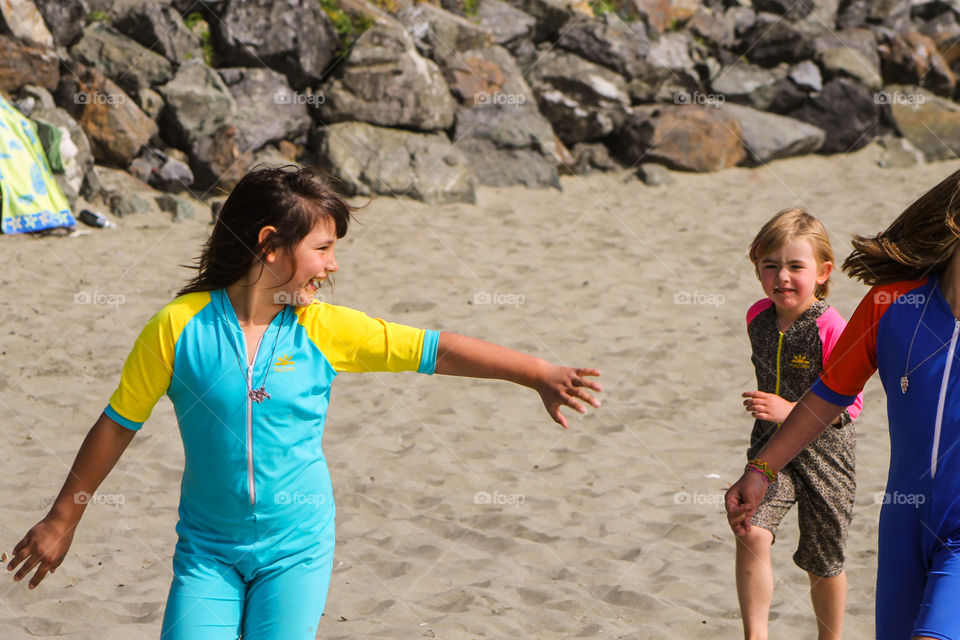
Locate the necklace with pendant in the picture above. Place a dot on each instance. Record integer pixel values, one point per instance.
(905, 380)
(259, 394)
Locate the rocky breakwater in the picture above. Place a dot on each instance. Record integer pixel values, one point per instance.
(165, 103)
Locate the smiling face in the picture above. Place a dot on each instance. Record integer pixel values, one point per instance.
(309, 264)
(790, 275)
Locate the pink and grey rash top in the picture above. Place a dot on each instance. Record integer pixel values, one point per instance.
(788, 363)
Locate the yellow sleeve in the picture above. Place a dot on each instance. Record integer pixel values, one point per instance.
(148, 370)
(353, 341)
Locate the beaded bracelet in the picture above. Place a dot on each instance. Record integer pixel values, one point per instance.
(759, 466)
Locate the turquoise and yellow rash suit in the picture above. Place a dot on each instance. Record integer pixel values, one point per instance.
(256, 534)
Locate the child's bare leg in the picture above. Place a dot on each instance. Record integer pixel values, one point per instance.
(754, 581)
(829, 597)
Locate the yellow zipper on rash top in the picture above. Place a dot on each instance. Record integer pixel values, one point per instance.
(779, 349)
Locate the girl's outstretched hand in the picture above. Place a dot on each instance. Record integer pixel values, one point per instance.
(566, 386)
(45, 545)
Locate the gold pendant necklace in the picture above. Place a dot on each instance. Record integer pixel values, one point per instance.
(905, 380)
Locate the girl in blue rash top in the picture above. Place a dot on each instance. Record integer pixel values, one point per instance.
(907, 328)
(247, 357)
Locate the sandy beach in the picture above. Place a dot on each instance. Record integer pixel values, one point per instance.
(463, 511)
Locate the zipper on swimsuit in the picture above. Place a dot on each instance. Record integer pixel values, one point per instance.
(776, 390)
(943, 396)
(250, 485)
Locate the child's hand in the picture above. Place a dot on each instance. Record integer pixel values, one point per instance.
(767, 406)
(46, 544)
(742, 500)
(564, 386)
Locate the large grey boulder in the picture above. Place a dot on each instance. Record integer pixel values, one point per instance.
(121, 58)
(159, 27)
(748, 84)
(386, 82)
(772, 40)
(64, 18)
(368, 159)
(21, 18)
(849, 113)
(267, 110)
(508, 24)
(669, 70)
(294, 37)
(582, 100)
(767, 136)
(611, 42)
(549, 15)
(198, 102)
(851, 53)
(439, 33)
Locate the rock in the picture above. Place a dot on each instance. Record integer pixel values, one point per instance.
(123, 60)
(847, 112)
(437, 32)
(474, 80)
(150, 102)
(772, 40)
(654, 13)
(198, 102)
(368, 159)
(767, 136)
(748, 84)
(688, 138)
(160, 28)
(64, 18)
(613, 43)
(790, 9)
(898, 153)
(930, 123)
(267, 110)
(716, 30)
(181, 207)
(583, 101)
(851, 53)
(806, 75)
(22, 19)
(894, 14)
(386, 82)
(654, 175)
(507, 24)
(114, 124)
(591, 156)
(23, 64)
(507, 145)
(681, 11)
(670, 71)
(161, 171)
(219, 160)
(294, 37)
(913, 58)
(787, 97)
(126, 195)
(945, 33)
(549, 16)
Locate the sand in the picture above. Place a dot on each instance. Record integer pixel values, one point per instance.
(463, 511)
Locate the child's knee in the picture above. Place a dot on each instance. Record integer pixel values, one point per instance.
(756, 538)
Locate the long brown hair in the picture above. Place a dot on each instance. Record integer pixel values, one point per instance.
(919, 242)
(292, 199)
(793, 224)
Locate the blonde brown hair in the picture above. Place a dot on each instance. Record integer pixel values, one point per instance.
(919, 242)
(793, 224)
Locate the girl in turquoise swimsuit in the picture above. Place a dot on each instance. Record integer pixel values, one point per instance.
(247, 357)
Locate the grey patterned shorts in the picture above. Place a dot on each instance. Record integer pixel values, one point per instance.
(821, 481)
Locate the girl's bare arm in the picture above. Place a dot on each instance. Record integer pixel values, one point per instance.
(47, 543)
(459, 355)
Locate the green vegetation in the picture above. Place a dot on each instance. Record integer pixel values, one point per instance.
(470, 7)
(98, 16)
(199, 27)
(349, 28)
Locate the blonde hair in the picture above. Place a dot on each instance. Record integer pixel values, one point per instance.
(919, 242)
(793, 224)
